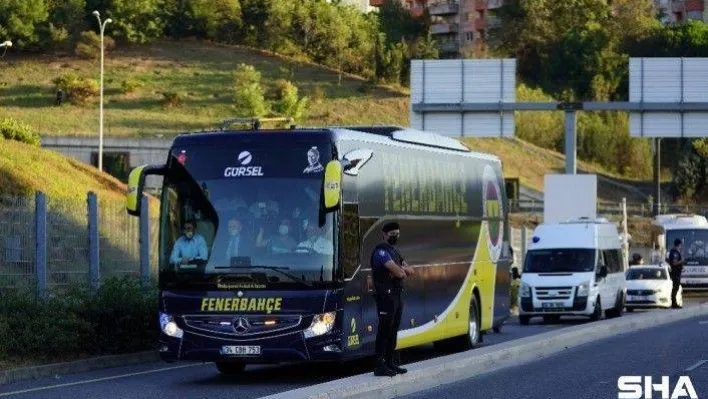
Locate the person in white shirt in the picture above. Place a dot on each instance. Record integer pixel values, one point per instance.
(315, 242)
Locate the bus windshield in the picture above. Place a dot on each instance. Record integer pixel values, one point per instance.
(695, 244)
(565, 260)
(255, 217)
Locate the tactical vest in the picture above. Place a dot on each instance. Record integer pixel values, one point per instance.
(383, 280)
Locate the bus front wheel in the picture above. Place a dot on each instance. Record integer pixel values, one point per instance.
(230, 368)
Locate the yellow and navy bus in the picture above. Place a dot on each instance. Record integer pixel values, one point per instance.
(278, 267)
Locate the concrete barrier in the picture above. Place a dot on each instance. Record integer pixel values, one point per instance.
(447, 369)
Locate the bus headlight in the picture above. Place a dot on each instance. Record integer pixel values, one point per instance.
(169, 327)
(321, 324)
(584, 289)
(525, 290)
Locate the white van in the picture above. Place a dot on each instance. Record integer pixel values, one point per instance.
(573, 268)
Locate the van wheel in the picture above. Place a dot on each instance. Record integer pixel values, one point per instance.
(630, 309)
(230, 368)
(618, 310)
(597, 314)
(524, 320)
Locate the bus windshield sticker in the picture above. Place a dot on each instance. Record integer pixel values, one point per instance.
(245, 169)
(313, 158)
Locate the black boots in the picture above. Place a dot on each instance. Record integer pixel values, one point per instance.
(399, 370)
(382, 370)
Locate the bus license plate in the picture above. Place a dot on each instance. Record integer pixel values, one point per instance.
(241, 350)
(552, 305)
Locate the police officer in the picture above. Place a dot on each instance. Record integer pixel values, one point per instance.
(676, 261)
(389, 270)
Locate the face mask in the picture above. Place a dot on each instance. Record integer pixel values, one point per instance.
(283, 230)
(392, 240)
(189, 234)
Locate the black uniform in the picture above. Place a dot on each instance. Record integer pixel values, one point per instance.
(388, 302)
(676, 269)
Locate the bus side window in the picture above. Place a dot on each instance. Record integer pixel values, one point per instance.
(350, 241)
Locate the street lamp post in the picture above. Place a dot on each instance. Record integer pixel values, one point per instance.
(100, 129)
(6, 44)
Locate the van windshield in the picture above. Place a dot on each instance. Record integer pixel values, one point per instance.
(560, 260)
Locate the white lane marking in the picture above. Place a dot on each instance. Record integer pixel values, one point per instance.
(703, 322)
(697, 365)
(97, 380)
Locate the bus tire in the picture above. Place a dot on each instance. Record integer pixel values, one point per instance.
(474, 333)
(230, 368)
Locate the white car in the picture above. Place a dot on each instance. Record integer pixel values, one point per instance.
(649, 286)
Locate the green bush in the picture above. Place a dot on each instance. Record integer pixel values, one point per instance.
(249, 98)
(287, 102)
(130, 85)
(89, 45)
(78, 89)
(12, 129)
(120, 317)
(172, 99)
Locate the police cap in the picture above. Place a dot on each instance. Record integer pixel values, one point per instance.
(390, 227)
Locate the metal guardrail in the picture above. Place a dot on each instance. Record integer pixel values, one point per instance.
(614, 209)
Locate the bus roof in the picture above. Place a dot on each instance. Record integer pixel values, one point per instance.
(391, 135)
(680, 221)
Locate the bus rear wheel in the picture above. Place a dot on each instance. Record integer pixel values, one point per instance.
(230, 368)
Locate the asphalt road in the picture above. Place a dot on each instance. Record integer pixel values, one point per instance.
(197, 380)
(591, 371)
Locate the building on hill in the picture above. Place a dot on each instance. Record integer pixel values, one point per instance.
(461, 27)
(680, 11)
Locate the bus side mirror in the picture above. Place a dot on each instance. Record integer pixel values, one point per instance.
(136, 183)
(332, 185)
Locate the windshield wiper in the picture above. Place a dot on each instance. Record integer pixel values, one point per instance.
(279, 269)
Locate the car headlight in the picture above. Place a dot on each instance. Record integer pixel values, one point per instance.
(584, 289)
(321, 324)
(169, 327)
(525, 290)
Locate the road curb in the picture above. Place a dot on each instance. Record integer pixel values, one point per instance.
(447, 369)
(77, 366)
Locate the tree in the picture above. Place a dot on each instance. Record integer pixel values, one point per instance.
(67, 15)
(134, 21)
(215, 19)
(20, 21)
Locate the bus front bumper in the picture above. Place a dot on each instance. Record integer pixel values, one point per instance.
(292, 347)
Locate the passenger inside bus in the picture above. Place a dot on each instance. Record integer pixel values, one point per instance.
(315, 242)
(280, 243)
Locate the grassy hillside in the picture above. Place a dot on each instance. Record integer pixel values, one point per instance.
(200, 72)
(25, 169)
(203, 75)
(531, 163)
